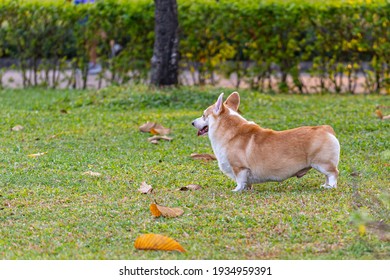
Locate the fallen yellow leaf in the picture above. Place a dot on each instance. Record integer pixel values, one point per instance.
(362, 229)
(157, 242)
(159, 210)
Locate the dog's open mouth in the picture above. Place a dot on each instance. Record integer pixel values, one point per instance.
(203, 131)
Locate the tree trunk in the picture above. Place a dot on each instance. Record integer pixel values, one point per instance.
(165, 60)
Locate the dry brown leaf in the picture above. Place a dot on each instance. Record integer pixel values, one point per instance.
(206, 157)
(91, 173)
(159, 210)
(157, 242)
(381, 116)
(191, 187)
(37, 155)
(159, 129)
(17, 128)
(154, 139)
(155, 212)
(147, 126)
(145, 188)
(154, 128)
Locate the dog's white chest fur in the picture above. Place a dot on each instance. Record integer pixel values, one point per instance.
(223, 161)
(221, 154)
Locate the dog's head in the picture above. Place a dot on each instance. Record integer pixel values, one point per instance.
(216, 110)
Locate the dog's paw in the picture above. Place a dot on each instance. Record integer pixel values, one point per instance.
(239, 189)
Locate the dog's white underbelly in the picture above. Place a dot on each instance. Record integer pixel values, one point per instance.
(257, 179)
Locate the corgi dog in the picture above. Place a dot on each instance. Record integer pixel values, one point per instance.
(250, 154)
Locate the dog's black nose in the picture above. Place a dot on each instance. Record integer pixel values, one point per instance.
(193, 123)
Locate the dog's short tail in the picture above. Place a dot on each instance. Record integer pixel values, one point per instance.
(329, 129)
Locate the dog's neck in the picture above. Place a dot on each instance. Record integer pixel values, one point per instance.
(219, 126)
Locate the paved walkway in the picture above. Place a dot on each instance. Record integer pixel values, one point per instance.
(13, 79)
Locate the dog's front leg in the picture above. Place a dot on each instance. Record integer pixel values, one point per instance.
(242, 176)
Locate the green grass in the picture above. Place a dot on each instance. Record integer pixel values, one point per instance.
(50, 210)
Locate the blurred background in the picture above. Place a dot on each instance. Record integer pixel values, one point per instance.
(274, 46)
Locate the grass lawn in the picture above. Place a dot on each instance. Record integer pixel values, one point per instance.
(50, 209)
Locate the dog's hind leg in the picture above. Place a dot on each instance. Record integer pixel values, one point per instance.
(327, 160)
(241, 179)
(331, 174)
(331, 178)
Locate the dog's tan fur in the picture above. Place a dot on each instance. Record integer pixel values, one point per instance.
(250, 154)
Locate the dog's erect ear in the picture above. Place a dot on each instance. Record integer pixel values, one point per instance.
(233, 101)
(218, 106)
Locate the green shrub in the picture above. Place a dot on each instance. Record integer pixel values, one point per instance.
(263, 42)
(268, 40)
(51, 36)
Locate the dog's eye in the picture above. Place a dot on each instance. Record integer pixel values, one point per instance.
(203, 116)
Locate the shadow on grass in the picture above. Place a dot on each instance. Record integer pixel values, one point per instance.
(282, 187)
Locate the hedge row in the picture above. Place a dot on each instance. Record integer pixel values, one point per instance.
(263, 43)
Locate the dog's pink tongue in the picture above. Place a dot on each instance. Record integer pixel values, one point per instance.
(199, 133)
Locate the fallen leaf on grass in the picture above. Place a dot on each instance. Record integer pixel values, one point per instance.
(191, 187)
(156, 138)
(355, 174)
(147, 127)
(381, 116)
(159, 210)
(145, 188)
(17, 128)
(37, 155)
(159, 129)
(154, 128)
(91, 173)
(157, 242)
(206, 157)
(362, 229)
